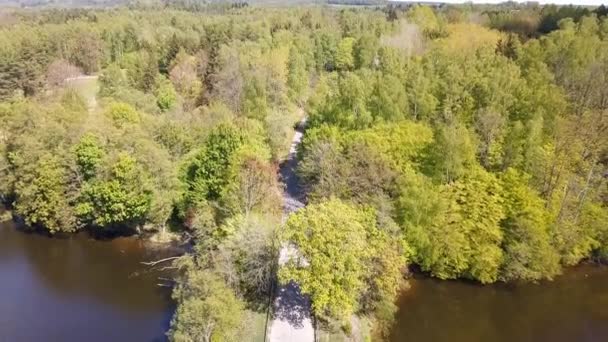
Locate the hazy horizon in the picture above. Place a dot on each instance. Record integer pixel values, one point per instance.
(556, 2)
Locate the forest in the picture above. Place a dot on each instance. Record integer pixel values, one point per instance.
(464, 142)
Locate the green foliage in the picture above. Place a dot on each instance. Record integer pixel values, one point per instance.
(208, 310)
(22, 69)
(594, 218)
(247, 254)
(403, 144)
(419, 88)
(111, 81)
(337, 244)
(426, 19)
(365, 50)
(42, 196)
(452, 154)
(206, 175)
(142, 69)
(389, 102)
(460, 235)
(355, 172)
(166, 97)
(122, 114)
(255, 104)
(345, 107)
(325, 49)
(297, 77)
(345, 59)
(529, 254)
(122, 199)
(485, 152)
(551, 16)
(279, 132)
(362, 166)
(252, 186)
(73, 101)
(89, 155)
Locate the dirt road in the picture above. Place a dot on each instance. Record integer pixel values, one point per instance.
(291, 320)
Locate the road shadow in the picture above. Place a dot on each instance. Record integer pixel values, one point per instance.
(292, 306)
(293, 191)
(289, 177)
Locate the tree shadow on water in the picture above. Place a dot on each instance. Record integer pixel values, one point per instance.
(291, 305)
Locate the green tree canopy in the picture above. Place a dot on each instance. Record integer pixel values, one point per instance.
(336, 245)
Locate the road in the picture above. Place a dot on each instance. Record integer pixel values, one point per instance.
(292, 321)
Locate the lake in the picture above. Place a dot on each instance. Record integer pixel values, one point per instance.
(573, 307)
(80, 289)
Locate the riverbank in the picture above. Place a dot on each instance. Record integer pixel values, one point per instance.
(5, 215)
(163, 239)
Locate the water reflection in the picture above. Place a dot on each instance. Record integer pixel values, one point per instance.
(574, 307)
(77, 289)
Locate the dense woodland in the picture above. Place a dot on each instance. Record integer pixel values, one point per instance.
(468, 142)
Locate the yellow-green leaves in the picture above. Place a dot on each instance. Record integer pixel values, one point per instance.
(208, 310)
(337, 244)
(345, 60)
(89, 154)
(122, 198)
(122, 114)
(42, 196)
(529, 254)
(454, 229)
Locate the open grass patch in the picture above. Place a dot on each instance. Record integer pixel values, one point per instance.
(358, 330)
(87, 87)
(255, 326)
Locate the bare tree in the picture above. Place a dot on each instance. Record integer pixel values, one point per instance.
(60, 70)
(489, 125)
(256, 188)
(228, 81)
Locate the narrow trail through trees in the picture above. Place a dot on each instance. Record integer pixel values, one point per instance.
(87, 86)
(292, 319)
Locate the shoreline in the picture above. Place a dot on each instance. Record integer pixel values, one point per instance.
(177, 244)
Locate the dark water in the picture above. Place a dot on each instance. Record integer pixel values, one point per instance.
(79, 289)
(574, 307)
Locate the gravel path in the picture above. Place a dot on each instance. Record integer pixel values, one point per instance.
(292, 321)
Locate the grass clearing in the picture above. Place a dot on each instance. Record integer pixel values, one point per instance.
(361, 328)
(255, 326)
(87, 87)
